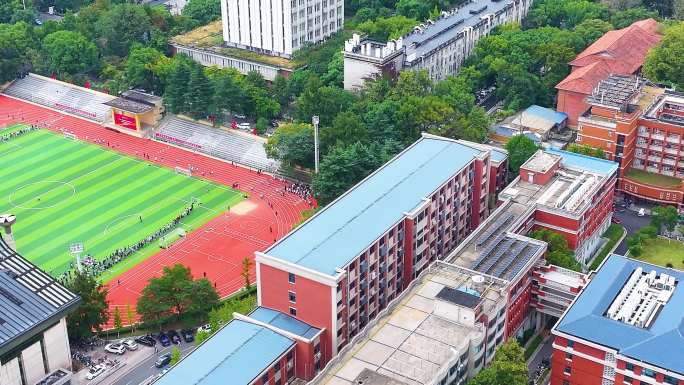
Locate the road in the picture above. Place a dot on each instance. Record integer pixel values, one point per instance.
(544, 353)
(631, 222)
(146, 369)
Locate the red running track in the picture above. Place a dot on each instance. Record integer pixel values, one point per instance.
(215, 249)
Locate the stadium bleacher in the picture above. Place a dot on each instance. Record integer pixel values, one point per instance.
(226, 145)
(61, 96)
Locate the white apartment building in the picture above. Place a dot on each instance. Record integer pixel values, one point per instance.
(438, 46)
(279, 27)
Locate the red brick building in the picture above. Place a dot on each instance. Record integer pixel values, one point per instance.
(639, 126)
(619, 52)
(624, 328)
(340, 268)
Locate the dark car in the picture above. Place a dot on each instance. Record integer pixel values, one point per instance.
(188, 335)
(146, 340)
(175, 337)
(163, 360)
(164, 339)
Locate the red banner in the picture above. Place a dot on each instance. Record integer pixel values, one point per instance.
(125, 121)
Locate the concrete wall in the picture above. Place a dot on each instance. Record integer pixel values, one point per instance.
(9, 373)
(56, 342)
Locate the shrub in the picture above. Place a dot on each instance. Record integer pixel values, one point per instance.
(669, 265)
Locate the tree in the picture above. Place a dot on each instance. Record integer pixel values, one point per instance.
(140, 68)
(590, 30)
(199, 96)
(15, 42)
(118, 324)
(664, 216)
(177, 87)
(383, 29)
(292, 144)
(344, 166)
(626, 17)
(324, 101)
(246, 266)
(664, 62)
(520, 149)
(203, 11)
(262, 125)
(67, 52)
(130, 316)
(558, 252)
(507, 368)
(122, 25)
(92, 313)
(346, 128)
(678, 9)
(175, 355)
(176, 292)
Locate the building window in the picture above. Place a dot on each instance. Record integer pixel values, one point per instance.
(648, 373)
(568, 356)
(293, 312)
(567, 370)
(628, 380)
(566, 382)
(291, 278)
(264, 379)
(292, 296)
(571, 343)
(629, 366)
(670, 380)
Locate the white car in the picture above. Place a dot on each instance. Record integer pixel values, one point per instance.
(641, 212)
(115, 348)
(204, 328)
(244, 126)
(240, 116)
(129, 344)
(94, 372)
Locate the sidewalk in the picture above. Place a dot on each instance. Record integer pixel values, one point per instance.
(127, 362)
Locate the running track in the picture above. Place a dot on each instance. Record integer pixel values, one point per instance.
(215, 249)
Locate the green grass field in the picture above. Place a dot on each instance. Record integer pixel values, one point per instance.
(661, 251)
(66, 191)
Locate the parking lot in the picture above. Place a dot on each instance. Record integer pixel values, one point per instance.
(136, 365)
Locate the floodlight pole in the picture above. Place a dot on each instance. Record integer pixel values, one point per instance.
(315, 120)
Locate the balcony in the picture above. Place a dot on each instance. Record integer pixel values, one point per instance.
(673, 138)
(668, 173)
(641, 144)
(671, 151)
(652, 169)
(658, 136)
(654, 179)
(654, 158)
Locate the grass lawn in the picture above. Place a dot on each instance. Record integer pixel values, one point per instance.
(660, 251)
(613, 234)
(653, 179)
(66, 191)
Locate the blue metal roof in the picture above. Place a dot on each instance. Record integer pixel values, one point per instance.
(661, 345)
(236, 354)
(346, 227)
(497, 155)
(284, 322)
(585, 162)
(546, 113)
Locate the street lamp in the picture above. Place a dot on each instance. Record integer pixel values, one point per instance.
(315, 120)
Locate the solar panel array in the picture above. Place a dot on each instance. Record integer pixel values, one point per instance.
(500, 251)
(485, 252)
(506, 262)
(484, 237)
(521, 262)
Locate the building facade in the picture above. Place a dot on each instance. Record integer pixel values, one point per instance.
(438, 46)
(279, 27)
(343, 266)
(640, 126)
(624, 328)
(34, 344)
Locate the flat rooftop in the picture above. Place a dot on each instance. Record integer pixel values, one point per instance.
(616, 91)
(594, 317)
(284, 322)
(442, 30)
(345, 228)
(412, 343)
(237, 353)
(667, 100)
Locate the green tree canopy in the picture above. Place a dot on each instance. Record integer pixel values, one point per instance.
(203, 11)
(140, 68)
(664, 62)
(176, 292)
(664, 216)
(93, 312)
(67, 52)
(122, 25)
(16, 41)
(558, 253)
(292, 144)
(507, 368)
(520, 149)
(383, 29)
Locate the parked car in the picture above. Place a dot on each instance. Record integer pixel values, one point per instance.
(164, 339)
(115, 348)
(641, 212)
(163, 360)
(175, 337)
(146, 340)
(240, 116)
(244, 126)
(95, 371)
(129, 345)
(274, 123)
(616, 220)
(188, 335)
(38, 22)
(204, 328)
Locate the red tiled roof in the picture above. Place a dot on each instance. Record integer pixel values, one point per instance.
(617, 52)
(584, 79)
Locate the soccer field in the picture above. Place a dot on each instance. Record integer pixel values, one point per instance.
(65, 191)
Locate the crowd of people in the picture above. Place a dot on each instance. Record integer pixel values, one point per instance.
(94, 267)
(303, 190)
(17, 133)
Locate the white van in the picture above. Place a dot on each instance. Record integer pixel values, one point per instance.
(641, 212)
